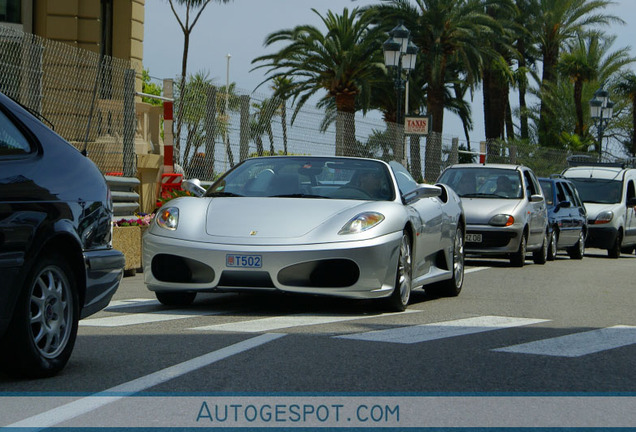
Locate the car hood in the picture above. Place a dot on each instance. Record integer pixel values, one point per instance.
(594, 209)
(270, 217)
(479, 211)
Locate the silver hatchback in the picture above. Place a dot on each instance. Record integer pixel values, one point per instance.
(506, 213)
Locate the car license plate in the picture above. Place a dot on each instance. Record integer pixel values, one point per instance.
(473, 238)
(244, 261)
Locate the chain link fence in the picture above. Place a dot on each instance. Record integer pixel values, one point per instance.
(86, 99)
(90, 101)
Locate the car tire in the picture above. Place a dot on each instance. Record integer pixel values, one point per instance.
(578, 250)
(176, 298)
(399, 298)
(552, 248)
(541, 256)
(518, 259)
(43, 329)
(615, 250)
(453, 286)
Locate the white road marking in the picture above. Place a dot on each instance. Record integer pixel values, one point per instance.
(578, 344)
(128, 303)
(299, 320)
(84, 405)
(121, 320)
(475, 269)
(441, 330)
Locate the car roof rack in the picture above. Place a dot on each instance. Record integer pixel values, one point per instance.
(585, 160)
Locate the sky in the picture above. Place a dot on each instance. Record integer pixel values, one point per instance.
(239, 28)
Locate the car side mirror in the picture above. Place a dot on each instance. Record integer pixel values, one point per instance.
(422, 191)
(194, 187)
(536, 198)
(565, 204)
(631, 202)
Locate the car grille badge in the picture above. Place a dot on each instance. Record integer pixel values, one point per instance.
(253, 233)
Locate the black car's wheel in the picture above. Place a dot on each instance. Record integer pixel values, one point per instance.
(399, 298)
(552, 248)
(615, 250)
(541, 256)
(42, 332)
(176, 298)
(453, 286)
(578, 250)
(518, 259)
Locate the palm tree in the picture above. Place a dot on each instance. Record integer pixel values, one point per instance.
(283, 90)
(626, 86)
(562, 20)
(196, 7)
(445, 31)
(341, 61)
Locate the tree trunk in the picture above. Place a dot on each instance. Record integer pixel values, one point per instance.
(578, 96)
(345, 124)
(416, 159)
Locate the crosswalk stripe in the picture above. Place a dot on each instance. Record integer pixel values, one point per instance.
(121, 320)
(129, 303)
(578, 344)
(441, 330)
(298, 320)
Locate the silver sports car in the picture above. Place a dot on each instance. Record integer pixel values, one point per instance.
(349, 227)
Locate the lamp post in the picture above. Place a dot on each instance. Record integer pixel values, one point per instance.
(400, 55)
(601, 111)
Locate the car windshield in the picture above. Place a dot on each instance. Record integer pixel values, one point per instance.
(598, 191)
(483, 182)
(307, 177)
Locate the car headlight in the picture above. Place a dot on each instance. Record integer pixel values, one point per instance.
(362, 222)
(604, 217)
(501, 220)
(168, 218)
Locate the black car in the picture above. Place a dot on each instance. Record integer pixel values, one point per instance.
(57, 264)
(567, 217)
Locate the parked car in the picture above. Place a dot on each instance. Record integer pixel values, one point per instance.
(349, 227)
(567, 217)
(505, 210)
(609, 195)
(55, 254)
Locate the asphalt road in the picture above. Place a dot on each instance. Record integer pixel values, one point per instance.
(566, 327)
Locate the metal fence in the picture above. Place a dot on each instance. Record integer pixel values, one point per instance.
(86, 99)
(90, 101)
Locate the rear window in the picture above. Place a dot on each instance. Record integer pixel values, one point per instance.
(12, 141)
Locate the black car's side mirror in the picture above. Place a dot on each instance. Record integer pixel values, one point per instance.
(564, 204)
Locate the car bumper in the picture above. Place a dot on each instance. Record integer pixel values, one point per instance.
(495, 240)
(602, 237)
(104, 270)
(356, 269)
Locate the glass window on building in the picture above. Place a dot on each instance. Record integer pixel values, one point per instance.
(10, 11)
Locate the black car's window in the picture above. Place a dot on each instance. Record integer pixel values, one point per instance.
(12, 141)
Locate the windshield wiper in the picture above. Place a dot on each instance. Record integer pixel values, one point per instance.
(223, 194)
(298, 196)
(479, 195)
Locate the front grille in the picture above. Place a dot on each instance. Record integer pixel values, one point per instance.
(245, 279)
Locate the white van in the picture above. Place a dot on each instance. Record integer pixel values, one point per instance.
(609, 195)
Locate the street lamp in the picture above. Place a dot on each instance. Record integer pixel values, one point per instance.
(601, 111)
(399, 56)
